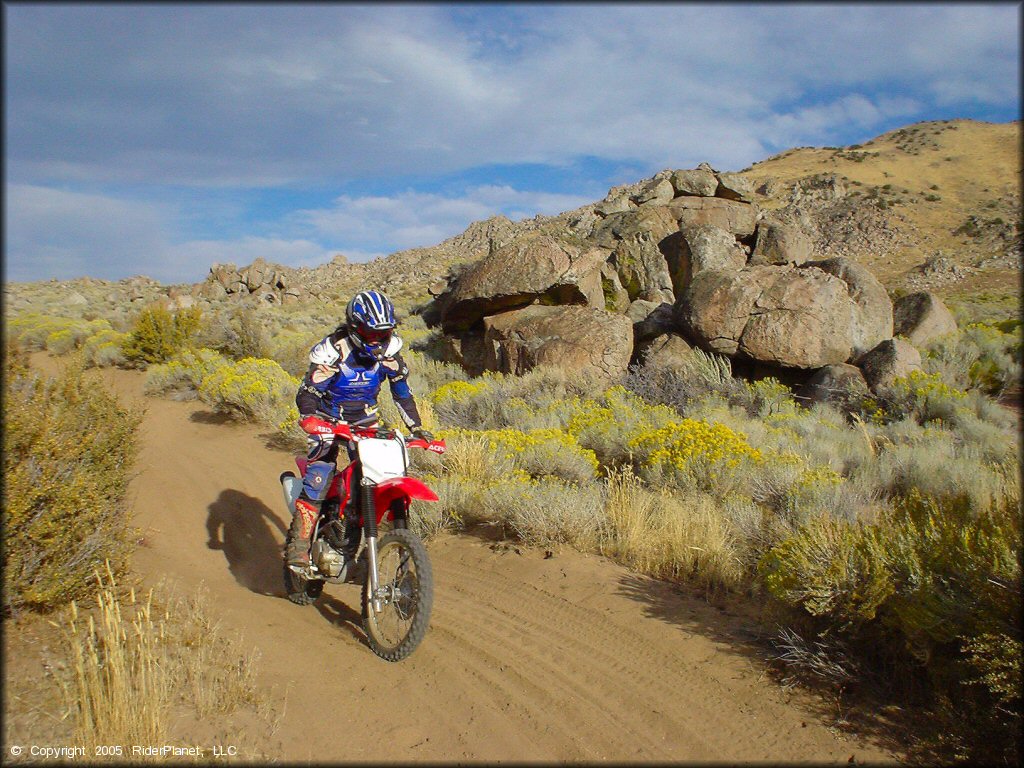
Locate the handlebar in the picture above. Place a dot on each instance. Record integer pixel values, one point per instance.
(360, 433)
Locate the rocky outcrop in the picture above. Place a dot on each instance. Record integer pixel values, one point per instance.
(921, 317)
(788, 316)
(738, 283)
(892, 359)
(579, 339)
(261, 280)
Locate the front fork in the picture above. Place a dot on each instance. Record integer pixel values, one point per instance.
(369, 509)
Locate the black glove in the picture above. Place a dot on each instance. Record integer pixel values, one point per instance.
(423, 434)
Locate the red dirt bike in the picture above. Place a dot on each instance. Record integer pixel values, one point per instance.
(398, 586)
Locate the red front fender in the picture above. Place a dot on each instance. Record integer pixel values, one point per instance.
(387, 491)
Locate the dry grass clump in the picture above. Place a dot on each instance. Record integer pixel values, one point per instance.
(134, 665)
(670, 535)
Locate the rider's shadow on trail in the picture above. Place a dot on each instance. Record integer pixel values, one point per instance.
(243, 528)
(342, 615)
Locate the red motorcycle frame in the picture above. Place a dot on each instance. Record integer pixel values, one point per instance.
(396, 572)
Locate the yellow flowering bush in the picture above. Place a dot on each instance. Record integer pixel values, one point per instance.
(535, 452)
(458, 391)
(925, 396)
(252, 388)
(609, 424)
(700, 454)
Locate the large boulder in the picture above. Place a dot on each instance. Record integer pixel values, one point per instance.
(732, 186)
(591, 341)
(779, 243)
(892, 359)
(650, 319)
(655, 192)
(785, 316)
(872, 318)
(921, 317)
(699, 182)
(840, 384)
(517, 274)
(669, 351)
(637, 240)
(734, 216)
(700, 248)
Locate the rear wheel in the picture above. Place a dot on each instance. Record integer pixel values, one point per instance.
(406, 594)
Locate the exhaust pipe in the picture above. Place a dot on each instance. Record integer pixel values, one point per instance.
(291, 485)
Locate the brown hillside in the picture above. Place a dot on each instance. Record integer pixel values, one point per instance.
(949, 191)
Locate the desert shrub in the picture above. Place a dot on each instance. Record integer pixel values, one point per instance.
(253, 390)
(68, 448)
(979, 356)
(65, 340)
(238, 333)
(291, 351)
(932, 582)
(546, 511)
(538, 399)
(31, 330)
(537, 452)
(103, 349)
(157, 334)
(924, 395)
(183, 375)
(695, 454)
(676, 386)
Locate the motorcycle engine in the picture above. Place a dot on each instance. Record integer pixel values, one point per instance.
(328, 560)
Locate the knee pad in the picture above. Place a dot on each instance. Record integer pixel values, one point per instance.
(317, 479)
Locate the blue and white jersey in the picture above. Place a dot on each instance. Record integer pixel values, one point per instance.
(344, 382)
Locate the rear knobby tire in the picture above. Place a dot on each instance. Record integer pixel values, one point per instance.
(395, 632)
(300, 591)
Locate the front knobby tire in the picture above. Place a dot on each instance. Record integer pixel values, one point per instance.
(300, 591)
(403, 568)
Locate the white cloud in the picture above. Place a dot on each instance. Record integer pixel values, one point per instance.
(269, 94)
(413, 219)
(65, 234)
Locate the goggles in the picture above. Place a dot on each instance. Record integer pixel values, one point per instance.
(375, 335)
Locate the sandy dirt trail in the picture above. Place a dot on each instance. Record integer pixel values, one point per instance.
(569, 658)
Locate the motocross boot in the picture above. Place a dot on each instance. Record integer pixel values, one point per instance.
(306, 513)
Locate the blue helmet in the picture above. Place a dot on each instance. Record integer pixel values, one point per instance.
(370, 317)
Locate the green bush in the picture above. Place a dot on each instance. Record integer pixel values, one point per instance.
(68, 448)
(157, 334)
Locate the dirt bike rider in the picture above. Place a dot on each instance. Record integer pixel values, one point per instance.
(347, 369)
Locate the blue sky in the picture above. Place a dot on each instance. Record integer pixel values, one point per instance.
(157, 139)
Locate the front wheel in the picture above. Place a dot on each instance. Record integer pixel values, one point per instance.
(406, 593)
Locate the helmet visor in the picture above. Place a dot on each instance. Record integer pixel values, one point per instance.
(375, 335)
